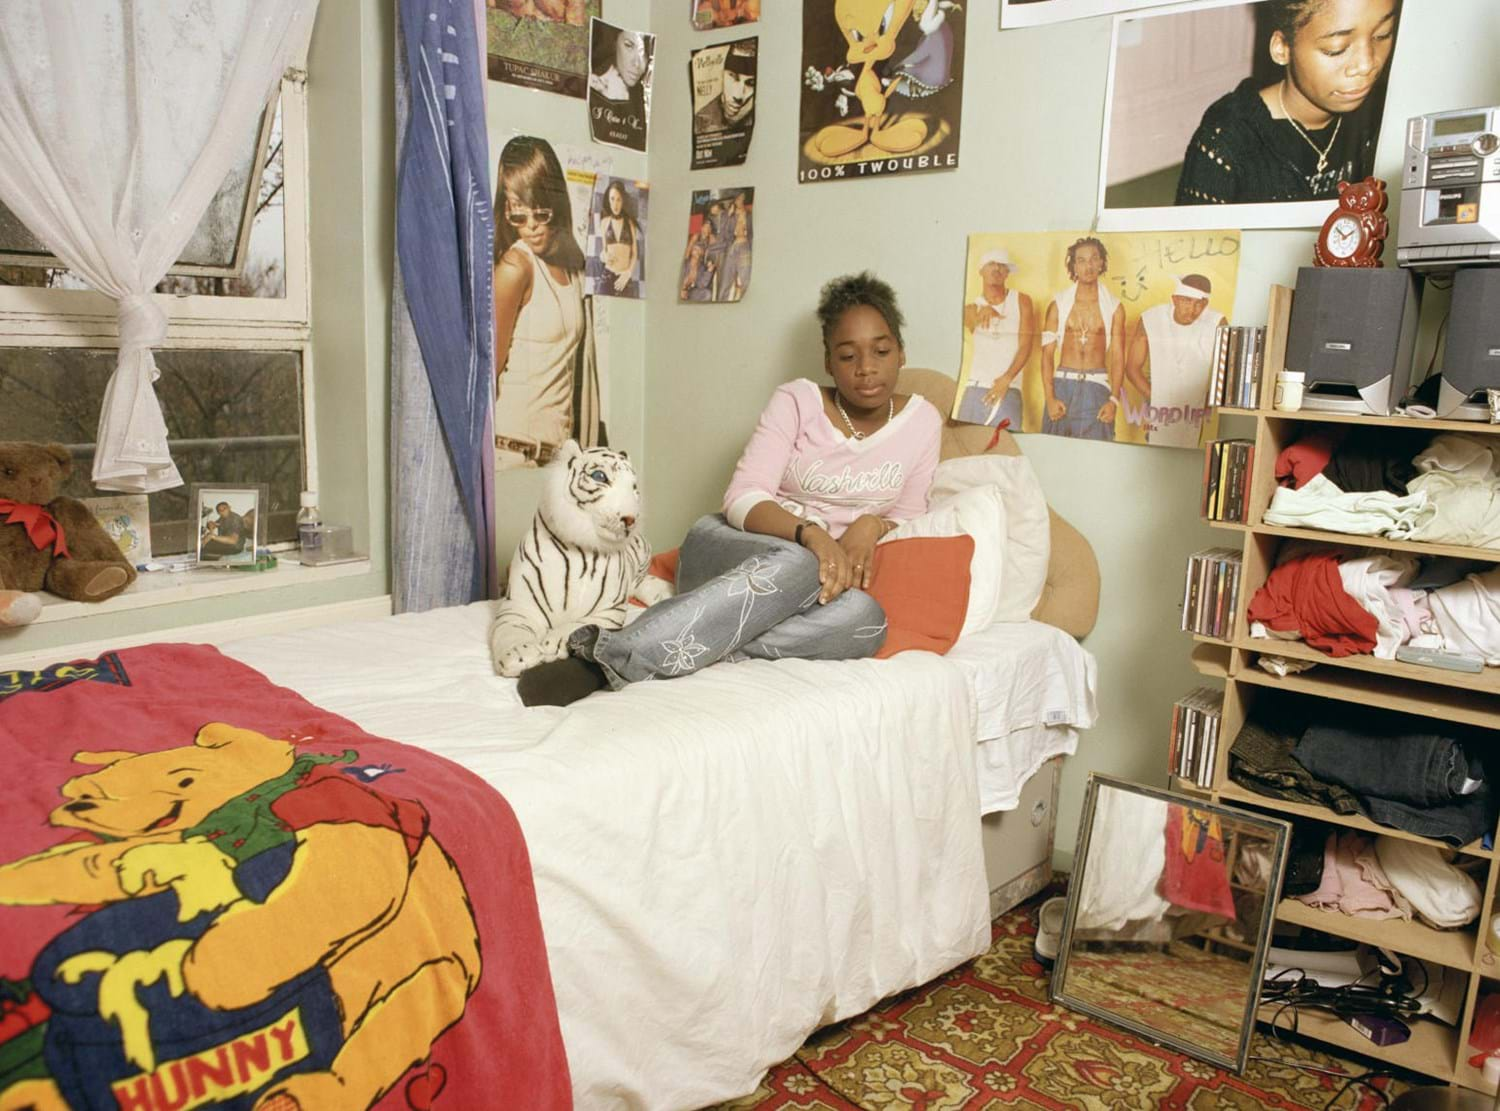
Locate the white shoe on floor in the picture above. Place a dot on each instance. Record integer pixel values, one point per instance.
(1049, 924)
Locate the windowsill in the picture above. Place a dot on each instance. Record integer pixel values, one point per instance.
(164, 588)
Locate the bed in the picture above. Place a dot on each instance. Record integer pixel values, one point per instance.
(716, 879)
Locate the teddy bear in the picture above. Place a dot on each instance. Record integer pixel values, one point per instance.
(49, 542)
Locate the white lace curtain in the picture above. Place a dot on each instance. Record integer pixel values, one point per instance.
(118, 122)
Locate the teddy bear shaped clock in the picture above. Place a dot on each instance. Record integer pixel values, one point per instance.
(1354, 234)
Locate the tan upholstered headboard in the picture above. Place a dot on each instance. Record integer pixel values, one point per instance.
(1070, 599)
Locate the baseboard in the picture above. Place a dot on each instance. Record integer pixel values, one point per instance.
(264, 624)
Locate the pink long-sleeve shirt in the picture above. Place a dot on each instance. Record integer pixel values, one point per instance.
(799, 460)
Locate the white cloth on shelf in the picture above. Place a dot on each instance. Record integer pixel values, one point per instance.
(1468, 613)
(1442, 895)
(1320, 504)
(1466, 509)
(1368, 580)
(118, 124)
(1458, 453)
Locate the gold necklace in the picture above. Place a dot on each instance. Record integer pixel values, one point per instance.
(838, 403)
(1291, 119)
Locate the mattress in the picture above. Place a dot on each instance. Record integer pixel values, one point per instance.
(715, 881)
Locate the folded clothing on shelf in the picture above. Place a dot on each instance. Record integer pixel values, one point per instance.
(1319, 504)
(1354, 883)
(1468, 615)
(1306, 595)
(1405, 775)
(1261, 760)
(1376, 482)
(1346, 603)
(1354, 460)
(1392, 767)
(1442, 895)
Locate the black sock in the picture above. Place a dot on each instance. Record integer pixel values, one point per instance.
(560, 682)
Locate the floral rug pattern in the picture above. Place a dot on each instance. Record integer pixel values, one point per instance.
(986, 1036)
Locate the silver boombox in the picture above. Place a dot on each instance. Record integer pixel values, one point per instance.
(1450, 190)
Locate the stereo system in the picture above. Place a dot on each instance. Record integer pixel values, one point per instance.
(1450, 191)
(1353, 333)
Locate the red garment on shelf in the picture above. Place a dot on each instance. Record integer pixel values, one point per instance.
(1299, 463)
(1306, 595)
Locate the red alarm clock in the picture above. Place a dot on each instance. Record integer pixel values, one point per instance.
(1354, 235)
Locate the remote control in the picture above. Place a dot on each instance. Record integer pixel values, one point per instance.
(1436, 657)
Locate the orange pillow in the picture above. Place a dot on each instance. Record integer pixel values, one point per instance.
(922, 583)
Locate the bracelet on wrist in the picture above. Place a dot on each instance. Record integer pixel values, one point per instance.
(797, 533)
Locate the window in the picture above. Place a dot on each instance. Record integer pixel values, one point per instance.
(236, 364)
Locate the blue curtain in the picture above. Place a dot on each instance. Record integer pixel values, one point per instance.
(442, 361)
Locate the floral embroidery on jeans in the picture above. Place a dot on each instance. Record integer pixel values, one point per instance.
(682, 653)
(754, 578)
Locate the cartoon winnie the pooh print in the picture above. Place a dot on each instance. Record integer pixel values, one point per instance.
(271, 932)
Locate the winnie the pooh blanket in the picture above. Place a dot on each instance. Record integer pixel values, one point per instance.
(215, 894)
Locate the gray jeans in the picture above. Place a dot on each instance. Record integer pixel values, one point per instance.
(741, 595)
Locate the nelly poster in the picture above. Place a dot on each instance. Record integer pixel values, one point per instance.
(882, 88)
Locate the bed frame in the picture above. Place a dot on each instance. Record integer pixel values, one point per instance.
(1018, 843)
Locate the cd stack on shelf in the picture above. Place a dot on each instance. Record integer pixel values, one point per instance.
(1195, 736)
(1239, 357)
(1226, 480)
(1208, 598)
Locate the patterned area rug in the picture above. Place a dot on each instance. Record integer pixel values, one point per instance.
(985, 1036)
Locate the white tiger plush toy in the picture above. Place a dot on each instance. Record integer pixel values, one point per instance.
(580, 561)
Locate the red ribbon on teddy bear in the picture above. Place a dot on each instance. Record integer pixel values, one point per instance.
(41, 527)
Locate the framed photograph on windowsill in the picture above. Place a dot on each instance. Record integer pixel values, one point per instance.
(230, 522)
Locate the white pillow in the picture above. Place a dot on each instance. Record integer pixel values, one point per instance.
(1027, 531)
(978, 513)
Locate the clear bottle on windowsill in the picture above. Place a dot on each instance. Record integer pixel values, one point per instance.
(309, 523)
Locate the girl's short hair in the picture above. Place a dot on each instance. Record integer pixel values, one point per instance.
(852, 290)
(529, 169)
(1290, 16)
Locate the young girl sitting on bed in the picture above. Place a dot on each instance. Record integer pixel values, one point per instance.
(780, 573)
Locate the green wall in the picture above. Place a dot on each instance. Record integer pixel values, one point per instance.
(1033, 115)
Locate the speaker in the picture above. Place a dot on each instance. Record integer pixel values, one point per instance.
(1353, 333)
(1471, 359)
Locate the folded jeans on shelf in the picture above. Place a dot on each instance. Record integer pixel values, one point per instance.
(1261, 761)
(1423, 769)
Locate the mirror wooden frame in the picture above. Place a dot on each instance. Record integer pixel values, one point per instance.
(1278, 834)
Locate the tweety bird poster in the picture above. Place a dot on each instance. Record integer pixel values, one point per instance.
(882, 87)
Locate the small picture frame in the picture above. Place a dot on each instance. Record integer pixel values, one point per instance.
(127, 519)
(229, 522)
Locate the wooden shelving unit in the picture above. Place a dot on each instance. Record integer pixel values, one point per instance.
(1434, 1049)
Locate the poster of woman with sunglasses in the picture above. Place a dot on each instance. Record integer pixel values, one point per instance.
(546, 374)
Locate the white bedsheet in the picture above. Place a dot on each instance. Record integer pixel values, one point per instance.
(1033, 690)
(715, 881)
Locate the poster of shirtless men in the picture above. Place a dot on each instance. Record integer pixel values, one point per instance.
(1095, 336)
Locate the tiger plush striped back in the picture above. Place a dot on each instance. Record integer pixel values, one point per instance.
(578, 564)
